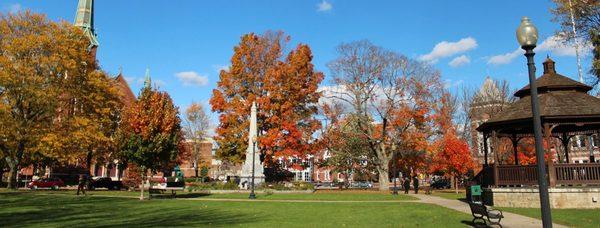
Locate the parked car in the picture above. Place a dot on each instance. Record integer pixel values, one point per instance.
(325, 185)
(440, 184)
(105, 182)
(52, 183)
(362, 184)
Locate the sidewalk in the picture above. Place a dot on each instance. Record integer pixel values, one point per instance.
(509, 220)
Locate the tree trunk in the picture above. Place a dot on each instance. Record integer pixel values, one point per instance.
(142, 187)
(383, 168)
(149, 179)
(455, 184)
(12, 176)
(196, 169)
(88, 163)
(384, 181)
(13, 164)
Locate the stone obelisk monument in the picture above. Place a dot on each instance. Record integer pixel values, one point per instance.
(259, 176)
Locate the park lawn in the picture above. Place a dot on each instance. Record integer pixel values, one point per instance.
(569, 217)
(450, 195)
(31, 209)
(317, 196)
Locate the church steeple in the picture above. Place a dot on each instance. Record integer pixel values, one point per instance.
(147, 81)
(85, 20)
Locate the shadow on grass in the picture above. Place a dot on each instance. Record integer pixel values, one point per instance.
(180, 196)
(474, 224)
(26, 209)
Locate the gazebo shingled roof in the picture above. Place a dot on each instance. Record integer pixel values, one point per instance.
(563, 102)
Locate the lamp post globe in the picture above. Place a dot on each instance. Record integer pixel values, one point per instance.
(527, 36)
(527, 33)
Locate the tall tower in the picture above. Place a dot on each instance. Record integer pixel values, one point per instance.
(84, 19)
(147, 80)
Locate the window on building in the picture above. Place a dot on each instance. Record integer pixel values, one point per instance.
(595, 140)
(298, 176)
(307, 176)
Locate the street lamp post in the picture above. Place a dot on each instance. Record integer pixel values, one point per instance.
(252, 196)
(527, 36)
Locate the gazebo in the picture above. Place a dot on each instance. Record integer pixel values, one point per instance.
(566, 110)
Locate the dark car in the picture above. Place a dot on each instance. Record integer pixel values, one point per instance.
(105, 182)
(440, 184)
(52, 183)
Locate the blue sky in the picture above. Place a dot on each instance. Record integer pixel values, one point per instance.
(186, 42)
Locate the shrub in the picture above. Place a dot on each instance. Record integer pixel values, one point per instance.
(212, 186)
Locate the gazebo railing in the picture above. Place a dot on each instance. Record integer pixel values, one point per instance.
(516, 175)
(527, 175)
(577, 174)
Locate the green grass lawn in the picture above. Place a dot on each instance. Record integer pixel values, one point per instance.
(32, 209)
(569, 217)
(450, 195)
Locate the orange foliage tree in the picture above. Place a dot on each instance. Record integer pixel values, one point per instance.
(452, 157)
(285, 90)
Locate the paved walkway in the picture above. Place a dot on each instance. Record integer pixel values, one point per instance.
(509, 220)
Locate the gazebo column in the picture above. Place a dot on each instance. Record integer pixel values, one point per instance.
(591, 148)
(485, 149)
(515, 143)
(565, 142)
(548, 136)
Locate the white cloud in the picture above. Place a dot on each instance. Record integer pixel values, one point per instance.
(324, 6)
(552, 44)
(218, 68)
(14, 8)
(191, 78)
(558, 47)
(446, 49)
(505, 58)
(451, 84)
(460, 61)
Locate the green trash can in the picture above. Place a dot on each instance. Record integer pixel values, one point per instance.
(476, 193)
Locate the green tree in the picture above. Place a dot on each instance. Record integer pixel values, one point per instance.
(150, 134)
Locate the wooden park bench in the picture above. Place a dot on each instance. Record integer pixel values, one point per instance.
(481, 212)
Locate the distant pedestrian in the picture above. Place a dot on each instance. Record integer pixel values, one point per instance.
(82, 183)
(416, 184)
(406, 185)
(427, 184)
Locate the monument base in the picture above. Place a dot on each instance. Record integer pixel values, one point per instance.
(246, 181)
